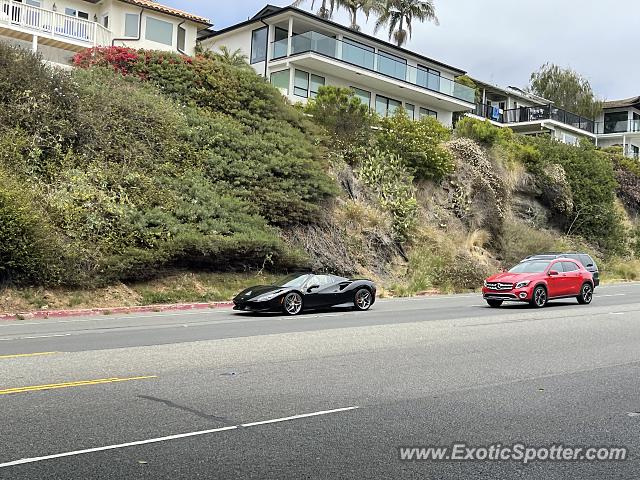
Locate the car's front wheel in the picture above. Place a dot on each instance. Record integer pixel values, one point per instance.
(494, 303)
(586, 294)
(292, 303)
(363, 299)
(539, 297)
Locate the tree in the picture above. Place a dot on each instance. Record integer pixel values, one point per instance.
(326, 10)
(566, 89)
(355, 6)
(398, 15)
(235, 58)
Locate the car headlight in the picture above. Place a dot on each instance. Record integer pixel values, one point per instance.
(523, 284)
(267, 296)
(485, 283)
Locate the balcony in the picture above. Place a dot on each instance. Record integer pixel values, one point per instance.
(614, 127)
(50, 24)
(366, 58)
(534, 114)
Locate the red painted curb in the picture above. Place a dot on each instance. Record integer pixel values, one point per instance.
(114, 310)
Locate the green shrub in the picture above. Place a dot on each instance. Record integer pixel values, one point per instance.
(417, 143)
(386, 175)
(342, 114)
(483, 132)
(592, 182)
(29, 249)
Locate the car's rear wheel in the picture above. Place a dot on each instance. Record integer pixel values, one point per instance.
(494, 303)
(292, 303)
(539, 297)
(586, 294)
(362, 299)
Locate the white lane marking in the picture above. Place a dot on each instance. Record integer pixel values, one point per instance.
(613, 295)
(171, 437)
(617, 313)
(295, 417)
(38, 336)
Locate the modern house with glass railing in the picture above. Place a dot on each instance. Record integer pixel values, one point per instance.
(299, 52)
(529, 114)
(619, 125)
(57, 29)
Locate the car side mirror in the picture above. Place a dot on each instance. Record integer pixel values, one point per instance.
(553, 273)
(312, 287)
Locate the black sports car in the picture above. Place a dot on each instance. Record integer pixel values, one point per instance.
(307, 291)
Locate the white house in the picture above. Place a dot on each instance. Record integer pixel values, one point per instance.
(299, 52)
(619, 125)
(58, 29)
(530, 114)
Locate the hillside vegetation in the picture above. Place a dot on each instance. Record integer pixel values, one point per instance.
(138, 165)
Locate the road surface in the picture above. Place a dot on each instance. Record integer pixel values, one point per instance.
(215, 394)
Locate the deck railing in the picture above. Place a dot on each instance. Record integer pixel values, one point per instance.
(367, 58)
(52, 23)
(532, 114)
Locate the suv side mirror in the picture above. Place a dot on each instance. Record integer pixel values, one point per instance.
(312, 287)
(553, 273)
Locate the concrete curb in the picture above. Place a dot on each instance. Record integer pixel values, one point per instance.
(114, 310)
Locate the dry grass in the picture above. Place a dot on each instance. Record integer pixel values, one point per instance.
(176, 287)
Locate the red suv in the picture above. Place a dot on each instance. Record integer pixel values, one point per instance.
(538, 280)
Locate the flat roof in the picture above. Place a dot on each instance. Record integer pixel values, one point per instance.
(271, 11)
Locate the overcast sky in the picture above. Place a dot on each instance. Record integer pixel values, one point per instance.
(503, 41)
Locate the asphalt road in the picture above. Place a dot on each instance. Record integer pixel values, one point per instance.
(216, 394)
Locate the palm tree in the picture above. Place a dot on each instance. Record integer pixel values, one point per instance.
(326, 10)
(399, 14)
(364, 6)
(235, 58)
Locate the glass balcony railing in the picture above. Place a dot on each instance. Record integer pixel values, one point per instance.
(622, 126)
(365, 57)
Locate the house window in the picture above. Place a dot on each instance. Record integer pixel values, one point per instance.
(280, 80)
(182, 39)
(131, 25)
(358, 53)
(363, 96)
(316, 82)
(615, 122)
(159, 31)
(301, 84)
(386, 107)
(281, 43)
(76, 13)
(411, 110)
(391, 65)
(425, 112)
(105, 20)
(428, 77)
(259, 45)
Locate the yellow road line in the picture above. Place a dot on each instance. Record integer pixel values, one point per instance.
(18, 355)
(100, 381)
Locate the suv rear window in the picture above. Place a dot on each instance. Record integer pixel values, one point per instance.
(587, 260)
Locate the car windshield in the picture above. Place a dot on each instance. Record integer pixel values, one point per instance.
(294, 280)
(536, 266)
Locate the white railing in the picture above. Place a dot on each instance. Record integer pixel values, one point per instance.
(52, 23)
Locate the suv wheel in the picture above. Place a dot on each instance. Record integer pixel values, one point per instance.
(539, 297)
(586, 294)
